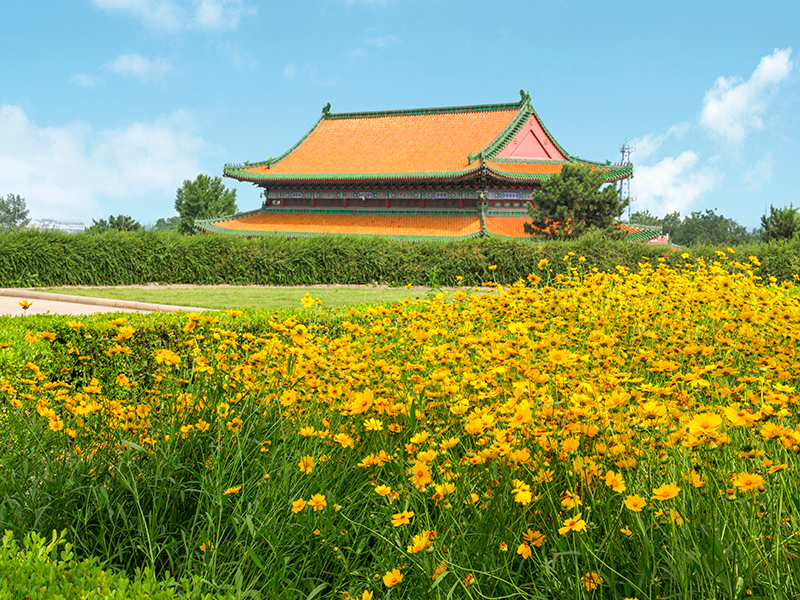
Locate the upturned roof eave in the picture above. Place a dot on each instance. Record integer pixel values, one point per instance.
(249, 176)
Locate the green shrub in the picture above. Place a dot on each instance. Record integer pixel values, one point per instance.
(39, 259)
(38, 571)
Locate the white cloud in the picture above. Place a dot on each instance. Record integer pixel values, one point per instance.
(220, 15)
(758, 175)
(383, 41)
(672, 184)
(175, 15)
(379, 43)
(75, 173)
(157, 14)
(647, 145)
(290, 71)
(139, 67)
(733, 107)
(85, 81)
(379, 2)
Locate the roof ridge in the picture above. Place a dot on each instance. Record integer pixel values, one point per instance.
(425, 111)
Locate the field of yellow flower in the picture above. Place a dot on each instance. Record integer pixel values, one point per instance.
(595, 435)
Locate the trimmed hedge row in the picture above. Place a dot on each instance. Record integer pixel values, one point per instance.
(40, 259)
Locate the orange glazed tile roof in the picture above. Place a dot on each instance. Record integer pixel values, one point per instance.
(423, 143)
(501, 141)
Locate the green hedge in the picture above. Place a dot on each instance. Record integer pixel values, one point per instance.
(38, 571)
(34, 258)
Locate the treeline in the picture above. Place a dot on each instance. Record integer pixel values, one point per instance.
(48, 258)
(712, 229)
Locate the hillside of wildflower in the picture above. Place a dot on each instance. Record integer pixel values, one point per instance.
(578, 434)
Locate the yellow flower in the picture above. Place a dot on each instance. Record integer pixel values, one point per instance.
(537, 538)
(524, 550)
(570, 500)
(306, 464)
(25, 304)
(367, 595)
(74, 325)
(439, 570)
(318, 502)
(392, 578)
(635, 503)
(234, 425)
(403, 518)
(420, 475)
(383, 490)
(591, 581)
(31, 338)
(573, 524)
(223, 409)
(666, 492)
(298, 505)
(615, 481)
(47, 335)
(207, 546)
(704, 424)
(233, 490)
(124, 333)
(748, 481)
(307, 301)
(420, 542)
(373, 424)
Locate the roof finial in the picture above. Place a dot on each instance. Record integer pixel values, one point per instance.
(326, 110)
(524, 96)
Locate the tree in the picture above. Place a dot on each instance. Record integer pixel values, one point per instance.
(203, 198)
(781, 224)
(118, 223)
(572, 202)
(644, 218)
(708, 228)
(168, 224)
(13, 213)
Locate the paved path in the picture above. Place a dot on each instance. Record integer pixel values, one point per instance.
(63, 304)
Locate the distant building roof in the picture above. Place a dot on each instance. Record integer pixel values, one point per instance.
(506, 142)
(68, 226)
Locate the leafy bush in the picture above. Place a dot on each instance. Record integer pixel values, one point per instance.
(38, 571)
(47, 258)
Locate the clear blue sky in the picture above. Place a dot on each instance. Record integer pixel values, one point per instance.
(107, 106)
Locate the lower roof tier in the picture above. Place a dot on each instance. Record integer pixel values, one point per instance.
(410, 225)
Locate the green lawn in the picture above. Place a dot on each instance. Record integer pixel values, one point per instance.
(246, 297)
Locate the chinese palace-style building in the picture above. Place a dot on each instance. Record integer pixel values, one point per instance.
(432, 173)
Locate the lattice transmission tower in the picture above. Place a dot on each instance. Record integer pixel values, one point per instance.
(625, 184)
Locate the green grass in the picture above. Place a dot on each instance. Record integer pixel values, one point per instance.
(246, 297)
